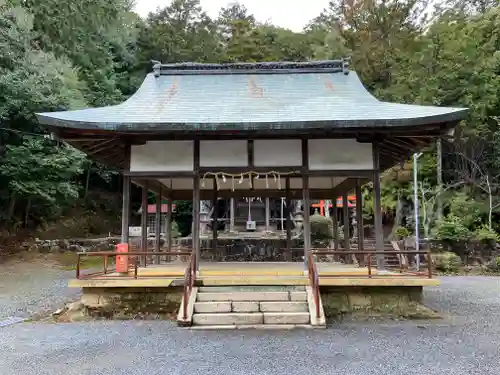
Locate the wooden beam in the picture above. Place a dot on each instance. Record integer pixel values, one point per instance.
(169, 225)
(158, 224)
(335, 221)
(346, 220)
(288, 202)
(144, 223)
(359, 215)
(305, 198)
(377, 207)
(125, 209)
(215, 221)
(196, 204)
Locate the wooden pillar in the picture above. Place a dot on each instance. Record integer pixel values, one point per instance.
(125, 209)
(195, 235)
(196, 219)
(215, 221)
(169, 224)
(335, 221)
(306, 201)
(144, 222)
(158, 224)
(359, 216)
(288, 212)
(307, 217)
(345, 211)
(267, 214)
(377, 207)
(231, 214)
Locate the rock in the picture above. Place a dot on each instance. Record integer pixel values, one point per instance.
(75, 306)
(58, 312)
(77, 316)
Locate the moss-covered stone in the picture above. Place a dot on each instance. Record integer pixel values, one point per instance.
(132, 303)
(375, 302)
(335, 304)
(360, 301)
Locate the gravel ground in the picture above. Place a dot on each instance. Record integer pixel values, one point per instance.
(466, 341)
(28, 289)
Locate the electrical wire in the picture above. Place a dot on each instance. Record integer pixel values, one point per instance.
(25, 132)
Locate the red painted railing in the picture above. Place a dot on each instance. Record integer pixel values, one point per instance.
(314, 281)
(396, 271)
(133, 262)
(189, 282)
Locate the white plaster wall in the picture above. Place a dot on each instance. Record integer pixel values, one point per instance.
(159, 156)
(339, 154)
(231, 153)
(178, 183)
(277, 152)
(324, 182)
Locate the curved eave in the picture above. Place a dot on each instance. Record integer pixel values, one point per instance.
(169, 127)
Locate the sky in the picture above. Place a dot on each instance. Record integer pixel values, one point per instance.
(279, 12)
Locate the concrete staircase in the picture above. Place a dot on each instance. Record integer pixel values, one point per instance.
(254, 307)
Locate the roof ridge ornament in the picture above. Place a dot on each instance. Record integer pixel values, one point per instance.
(265, 67)
(156, 68)
(345, 65)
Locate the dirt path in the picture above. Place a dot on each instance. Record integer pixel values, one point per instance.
(34, 286)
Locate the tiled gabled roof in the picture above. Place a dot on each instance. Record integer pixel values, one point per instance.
(251, 96)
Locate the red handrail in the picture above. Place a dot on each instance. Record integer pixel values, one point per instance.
(369, 254)
(133, 255)
(314, 281)
(189, 282)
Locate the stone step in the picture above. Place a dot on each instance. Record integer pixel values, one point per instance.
(298, 296)
(286, 318)
(280, 327)
(248, 296)
(213, 307)
(217, 319)
(288, 306)
(245, 306)
(250, 288)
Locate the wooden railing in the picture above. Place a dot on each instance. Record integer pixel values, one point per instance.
(314, 282)
(189, 282)
(368, 256)
(133, 262)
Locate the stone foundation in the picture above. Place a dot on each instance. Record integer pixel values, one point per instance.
(368, 302)
(132, 303)
(338, 302)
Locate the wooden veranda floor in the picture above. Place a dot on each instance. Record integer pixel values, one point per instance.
(252, 273)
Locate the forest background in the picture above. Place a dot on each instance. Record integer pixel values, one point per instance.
(58, 55)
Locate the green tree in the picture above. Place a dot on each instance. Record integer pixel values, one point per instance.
(38, 171)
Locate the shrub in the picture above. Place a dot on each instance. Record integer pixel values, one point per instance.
(494, 265)
(486, 235)
(447, 262)
(451, 230)
(321, 228)
(401, 232)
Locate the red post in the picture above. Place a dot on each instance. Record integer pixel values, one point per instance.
(429, 263)
(122, 260)
(369, 265)
(105, 264)
(78, 266)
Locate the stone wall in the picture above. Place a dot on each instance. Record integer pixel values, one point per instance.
(131, 303)
(366, 302)
(73, 245)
